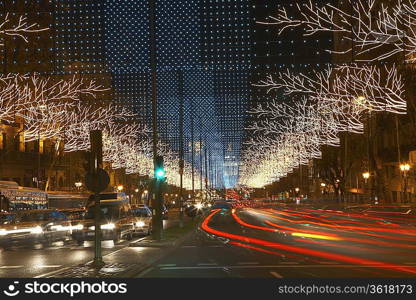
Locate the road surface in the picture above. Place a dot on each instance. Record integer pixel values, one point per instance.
(293, 243)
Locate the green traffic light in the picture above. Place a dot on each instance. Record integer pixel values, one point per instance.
(160, 174)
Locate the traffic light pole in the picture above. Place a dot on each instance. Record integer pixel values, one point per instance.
(157, 200)
(96, 155)
(181, 158)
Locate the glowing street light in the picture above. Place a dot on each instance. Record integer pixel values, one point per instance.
(366, 175)
(404, 167)
(78, 185)
(120, 187)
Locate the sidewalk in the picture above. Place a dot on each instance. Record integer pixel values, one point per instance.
(134, 258)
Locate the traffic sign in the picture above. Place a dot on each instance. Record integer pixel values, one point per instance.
(98, 182)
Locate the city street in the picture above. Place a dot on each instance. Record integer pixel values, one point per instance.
(293, 243)
(39, 261)
(208, 139)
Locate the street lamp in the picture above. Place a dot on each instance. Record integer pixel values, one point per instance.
(120, 187)
(78, 185)
(405, 168)
(366, 176)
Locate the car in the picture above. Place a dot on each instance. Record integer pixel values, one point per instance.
(191, 211)
(143, 222)
(7, 218)
(117, 220)
(34, 226)
(73, 214)
(165, 211)
(223, 205)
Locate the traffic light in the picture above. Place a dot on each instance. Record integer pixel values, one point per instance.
(159, 169)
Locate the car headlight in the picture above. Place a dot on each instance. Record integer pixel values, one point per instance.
(109, 226)
(78, 227)
(140, 224)
(36, 230)
(3, 232)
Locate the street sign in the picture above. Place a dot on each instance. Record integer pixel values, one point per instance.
(97, 183)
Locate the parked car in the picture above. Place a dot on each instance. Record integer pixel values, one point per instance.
(143, 222)
(117, 220)
(164, 212)
(35, 226)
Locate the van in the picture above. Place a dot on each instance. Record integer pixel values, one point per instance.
(143, 222)
(117, 220)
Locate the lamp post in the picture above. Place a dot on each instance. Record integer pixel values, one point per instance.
(323, 186)
(366, 176)
(78, 185)
(120, 187)
(145, 193)
(136, 190)
(404, 168)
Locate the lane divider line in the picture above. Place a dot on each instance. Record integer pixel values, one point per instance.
(275, 274)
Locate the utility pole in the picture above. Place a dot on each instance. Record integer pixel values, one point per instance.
(200, 154)
(206, 172)
(345, 168)
(370, 159)
(157, 201)
(181, 158)
(192, 149)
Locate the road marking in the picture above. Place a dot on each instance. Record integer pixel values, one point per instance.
(268, 266)
(309, 274)
(166, 265)
(48, 266)
(208, 264)
(51, 273)
(66, 268)
(145, 272)
(277, 275)
(10, 267)
(248, 263)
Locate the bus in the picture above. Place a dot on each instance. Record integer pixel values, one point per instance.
(14, 197)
